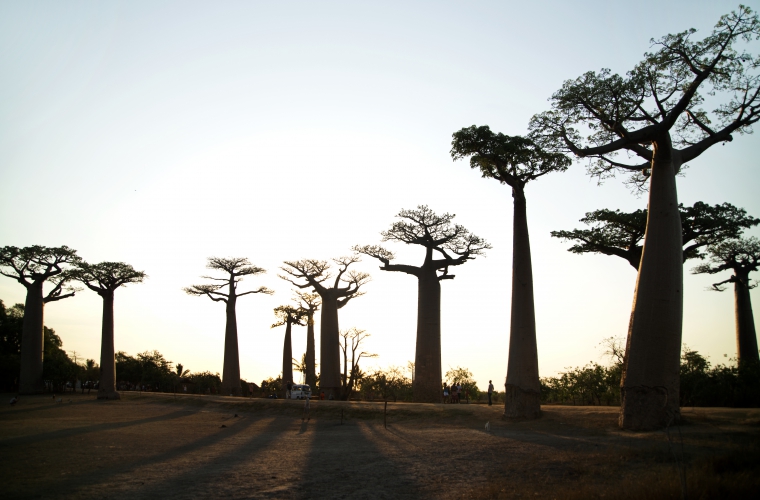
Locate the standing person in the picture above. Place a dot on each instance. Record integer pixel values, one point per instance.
(459, 392)
(490, 392)
(289, 388)
(445, 393)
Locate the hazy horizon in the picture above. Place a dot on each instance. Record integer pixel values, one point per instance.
(163, 133)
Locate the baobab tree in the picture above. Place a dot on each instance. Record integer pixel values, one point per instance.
(350, 342)
(742, 256)
(621, 234)
(310, 303)
(654, 113)
(313, 274)
(453, 245)
(288, 316)
(104, 278)
(515, 161)
(235, 268)
(33, 267)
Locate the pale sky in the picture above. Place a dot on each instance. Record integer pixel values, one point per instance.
(162, 133)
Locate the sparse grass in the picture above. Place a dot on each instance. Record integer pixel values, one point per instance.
(570, 452)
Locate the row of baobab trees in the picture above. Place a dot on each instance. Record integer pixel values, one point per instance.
(653, 113)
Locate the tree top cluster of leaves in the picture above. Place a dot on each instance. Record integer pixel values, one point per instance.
(600, 114)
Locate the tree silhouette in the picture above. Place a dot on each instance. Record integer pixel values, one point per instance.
(288, 316)
(742, 256)
(654, 113)
(235, 269)
(454, 246)
(310, 303)
(621, 234)
(104, 278)
(32, 267)
(350, 340)
(313, 273)
(515, 161)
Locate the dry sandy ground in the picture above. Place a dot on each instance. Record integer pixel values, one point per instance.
(156, 446)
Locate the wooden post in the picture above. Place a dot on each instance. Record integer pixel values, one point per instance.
(385, 415)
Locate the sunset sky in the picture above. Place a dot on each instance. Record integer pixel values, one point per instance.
(162, 133)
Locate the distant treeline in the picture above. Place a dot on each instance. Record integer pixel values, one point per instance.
(701, 384)
(593, 384)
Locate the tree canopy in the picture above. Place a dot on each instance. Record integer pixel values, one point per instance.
(740, 255)
(36, 264)
(236, 268)
(316, 272)
(620, 234)
(512, 160)
(288, 314)
(106, 277)
(600, 114)
(454, 244)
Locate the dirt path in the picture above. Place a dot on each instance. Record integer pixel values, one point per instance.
(155, 446)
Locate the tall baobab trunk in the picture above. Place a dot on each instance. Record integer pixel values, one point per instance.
(287, 359)
(107, 386)
(523, 397)
(650, 383)
(311, 373)
(32, 341)
(746, 336)
(231, 369)
(427, 386)
(329, 378)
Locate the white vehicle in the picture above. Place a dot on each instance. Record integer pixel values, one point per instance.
(300, 391)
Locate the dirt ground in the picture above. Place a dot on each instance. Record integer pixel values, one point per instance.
(159, 446)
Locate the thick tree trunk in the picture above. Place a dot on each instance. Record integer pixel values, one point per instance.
(523, 398)
(427, 387)
(32, 342)
(329, 346)
(746, 336)
(649, 387)
(107, 386)
(287, 359)
(231, 369)
(311, 373)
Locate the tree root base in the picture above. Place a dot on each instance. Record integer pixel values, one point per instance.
(521, 404)
(647, 408)
(423, 394)
(109, 395)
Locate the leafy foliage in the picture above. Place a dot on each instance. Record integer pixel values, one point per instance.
(436, 233)
(741, 256)
(511, 160)
(36, 264)
(620, 234)
(700, 385)
(234, 268)
(58, 368)
(463, 376)
(600, 115)
(105, 277)
(392, 383)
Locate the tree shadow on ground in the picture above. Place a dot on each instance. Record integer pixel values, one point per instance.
(78, 431)
(343, 463)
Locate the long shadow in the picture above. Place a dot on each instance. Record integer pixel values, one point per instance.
(52, 406)
(66, 433)
(343, 463)
(206, 480)
(74, 483)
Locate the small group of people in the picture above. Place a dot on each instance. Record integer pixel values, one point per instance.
(453, 393)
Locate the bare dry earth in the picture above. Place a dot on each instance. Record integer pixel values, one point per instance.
(159, 446)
